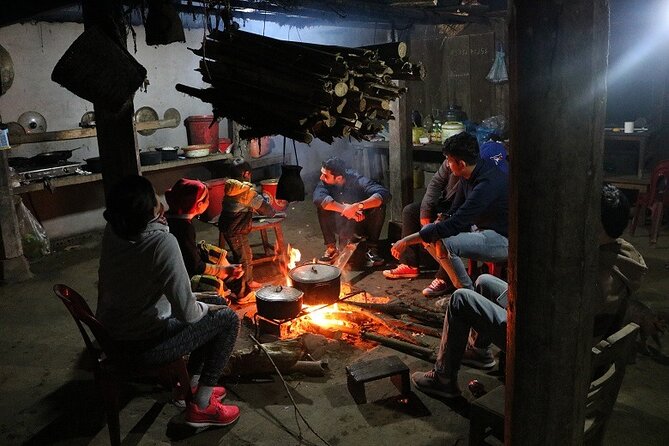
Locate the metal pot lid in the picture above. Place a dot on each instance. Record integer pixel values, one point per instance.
(32, 122)
(278, 293)
(314, 273)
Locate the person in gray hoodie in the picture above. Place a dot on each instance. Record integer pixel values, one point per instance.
(146, 304)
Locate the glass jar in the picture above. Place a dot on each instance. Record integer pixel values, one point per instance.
(435, 128)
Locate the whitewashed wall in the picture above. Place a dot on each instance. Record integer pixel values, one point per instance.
(35, 48)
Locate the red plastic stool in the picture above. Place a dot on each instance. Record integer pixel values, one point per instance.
(497, 269)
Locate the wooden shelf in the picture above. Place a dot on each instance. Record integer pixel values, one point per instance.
(384, 145)
(64, 135)
(81, 179)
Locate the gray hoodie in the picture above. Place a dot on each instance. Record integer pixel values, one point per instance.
(142, 283)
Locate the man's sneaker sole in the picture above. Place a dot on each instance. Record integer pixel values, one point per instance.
(210, 423)
(436, 392)
(437, 293)
(479, 364)
(389, 275)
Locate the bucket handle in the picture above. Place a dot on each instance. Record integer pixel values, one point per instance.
(297, 162)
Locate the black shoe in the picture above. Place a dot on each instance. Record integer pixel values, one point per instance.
(374, 259)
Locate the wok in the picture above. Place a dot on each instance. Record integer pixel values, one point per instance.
(53, 157)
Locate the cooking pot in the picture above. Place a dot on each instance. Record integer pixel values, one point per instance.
(53, 157)
(320, 283)
(168, 153)
(150, 158)
(279, 302)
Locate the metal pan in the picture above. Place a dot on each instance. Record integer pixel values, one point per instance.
(53, 157)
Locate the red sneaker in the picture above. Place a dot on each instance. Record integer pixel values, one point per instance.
(402, 271)
(219, 392)
(216, 414)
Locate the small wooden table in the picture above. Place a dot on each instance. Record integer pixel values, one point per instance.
(359, 373)
(629, 182)
(641, 138)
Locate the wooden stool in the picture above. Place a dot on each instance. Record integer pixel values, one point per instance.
(486, 417)
(359, 373)
(270, 251)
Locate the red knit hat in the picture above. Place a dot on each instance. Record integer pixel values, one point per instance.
(184, 195)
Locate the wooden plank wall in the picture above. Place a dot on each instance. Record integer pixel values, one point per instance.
(457, 59)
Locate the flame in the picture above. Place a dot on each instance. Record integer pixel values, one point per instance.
(287, 261)
(294, 256)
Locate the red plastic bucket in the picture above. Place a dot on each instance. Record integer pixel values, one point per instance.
(216, 189)
(269, 192)
(198, 131)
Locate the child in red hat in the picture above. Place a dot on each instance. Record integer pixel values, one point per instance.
(206, 264)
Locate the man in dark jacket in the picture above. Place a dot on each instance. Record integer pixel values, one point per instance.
(349, 204)
(477, 225)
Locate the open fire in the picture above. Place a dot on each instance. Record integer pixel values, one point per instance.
(351, 318)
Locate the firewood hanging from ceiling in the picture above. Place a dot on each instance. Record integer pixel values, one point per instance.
(301, 90)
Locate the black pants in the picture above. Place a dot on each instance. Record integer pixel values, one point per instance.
(333, 224)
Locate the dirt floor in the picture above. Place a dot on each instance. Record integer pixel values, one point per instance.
(47, 396)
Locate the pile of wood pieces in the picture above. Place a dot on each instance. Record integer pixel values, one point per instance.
(301, 90)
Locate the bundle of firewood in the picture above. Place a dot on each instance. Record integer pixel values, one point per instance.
(301, 90)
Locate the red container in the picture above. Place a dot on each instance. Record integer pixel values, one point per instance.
(200, 130)
(269, 192)
(216, 189)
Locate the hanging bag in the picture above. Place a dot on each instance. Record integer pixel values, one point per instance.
(291, 186)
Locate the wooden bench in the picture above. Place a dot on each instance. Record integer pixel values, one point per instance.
(361, 372)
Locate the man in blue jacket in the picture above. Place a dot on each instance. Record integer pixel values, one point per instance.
(349, 204)
(477, 223)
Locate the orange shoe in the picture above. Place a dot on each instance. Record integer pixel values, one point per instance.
(402, 271)
(253, 285)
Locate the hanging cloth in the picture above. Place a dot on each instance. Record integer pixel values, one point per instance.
(291, 186)
(498, 73)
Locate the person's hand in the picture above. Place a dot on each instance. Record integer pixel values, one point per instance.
(398, 248)
(234, 271)
(350, 211)
(213, 308)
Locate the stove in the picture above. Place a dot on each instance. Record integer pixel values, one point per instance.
(29, 174)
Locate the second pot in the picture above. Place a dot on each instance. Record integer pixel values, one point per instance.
(319, 283)
(278, 302)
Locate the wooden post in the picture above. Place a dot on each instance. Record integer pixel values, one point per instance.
(13, 265)
(117, 139)
(400, 157)
(558, 71)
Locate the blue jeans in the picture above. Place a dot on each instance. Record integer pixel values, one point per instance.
(486, 245)
(468, 310)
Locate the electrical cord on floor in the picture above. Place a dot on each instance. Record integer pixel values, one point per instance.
(285, 385)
